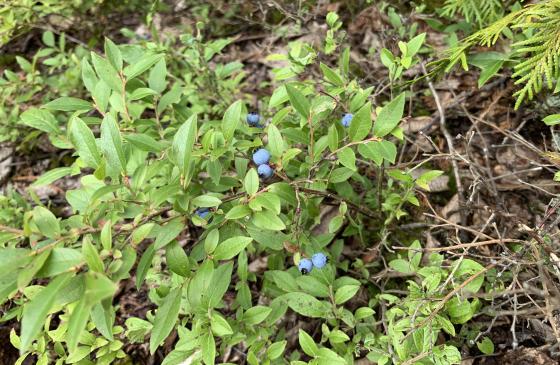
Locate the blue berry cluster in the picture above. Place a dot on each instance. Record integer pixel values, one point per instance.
(253, 120)
(346, 120)
(261, 158)
(202, 212)
(318, 260)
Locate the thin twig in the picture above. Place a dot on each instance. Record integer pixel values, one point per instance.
(449, 139)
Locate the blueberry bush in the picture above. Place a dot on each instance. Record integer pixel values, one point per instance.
(253, 228)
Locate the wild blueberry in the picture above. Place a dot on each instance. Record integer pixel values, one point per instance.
(265, 171)
(305, 266)
(261, 157)
(253, 119)
(346, 120)
(202, 212)
(319, 260)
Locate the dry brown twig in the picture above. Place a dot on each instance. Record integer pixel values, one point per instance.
(449, 140)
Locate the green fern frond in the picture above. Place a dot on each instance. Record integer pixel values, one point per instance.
(541, 51)
(480, 11)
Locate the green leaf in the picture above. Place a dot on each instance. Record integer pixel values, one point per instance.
(183, 144)
(345, 293)
(88, 75)
(238, 211)
(211, 241)
(106, 237)
(25, 276)
(305, 304)
(111, 144)
(361, 123)
(144, 265)
(40, 119)
(347, 158)
(340, 174)
(337, 336)
(275, 350)
(466, 269)
(307, 344)
(107, 73)
(553, 119)
(141, 93)
(329, 357)
(331, 75)
(77, 323)
(102, 317)
(51, 176)
(379, 150)
(46, 222)
(68, 104)
(48, 38)
(268, 200)
(60, 260)
(35, 312)
(84, 141)
(486, 346)
(276, 144)
(138, 67)
(489, 63)
(424, 179)
(268, 220)
(208, 346)
(91, 256)
(158, 73)
(145, 143)
(231, 119)
(220, 327)
(311, 285)
(231, 247)
(177, 259)
(363, 312)
(256, 315)
(206, 201)
(168, 233)
(101, 95)
(79, 354)
(298, 101)
(251, 182)
(389, 116)
(415, 43)
(173, 96)
(218, 286)
(402, 266)
(166, 318)
(446, 325)
(98, 287)
(113, 54)
(333, 138)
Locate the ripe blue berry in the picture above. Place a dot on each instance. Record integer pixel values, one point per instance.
(305, 266)
(319, 260)
(265, 171)
(202, 212)
(253, 119)
(346, 120)
(261, 157)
